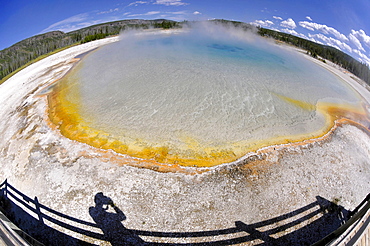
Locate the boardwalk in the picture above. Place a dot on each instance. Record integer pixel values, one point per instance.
(358, 234)
(356, 231)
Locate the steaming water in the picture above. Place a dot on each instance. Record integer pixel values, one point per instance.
(201, 90)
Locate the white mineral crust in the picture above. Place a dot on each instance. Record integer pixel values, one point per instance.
(40, 162)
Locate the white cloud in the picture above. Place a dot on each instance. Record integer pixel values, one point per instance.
(343, 45)
(289, 23)
(313, 39)
(197, 13)
(308, 18)
(362, 57)
(69, 24)
(333, 42)
(293, 32)
(174, 15)
(277, 17)
(362, 36)
(109, 11)
(356, 42)
(274, 29)
(266, 23)
(289, 31)
(306, 24)
(137, 3)
(145, 14)
(170, 2)
(325, 39)
(177, 13)
(324, 29)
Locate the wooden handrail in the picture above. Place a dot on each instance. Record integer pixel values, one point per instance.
(52, 216)
(357, 213)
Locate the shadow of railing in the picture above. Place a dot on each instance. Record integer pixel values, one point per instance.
(302, 226)
(41, 222)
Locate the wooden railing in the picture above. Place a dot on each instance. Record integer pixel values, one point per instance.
(358, 213)
(65, 229)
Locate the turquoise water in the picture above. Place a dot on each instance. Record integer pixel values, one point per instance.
(215, 88)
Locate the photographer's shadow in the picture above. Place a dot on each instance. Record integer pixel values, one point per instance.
(110, 222)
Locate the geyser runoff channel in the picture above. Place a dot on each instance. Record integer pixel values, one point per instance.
(199, 97)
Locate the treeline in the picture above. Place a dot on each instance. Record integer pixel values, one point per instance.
(167, 24)
(237, 24)
(93, 37)
(316, 50)
(29, 49)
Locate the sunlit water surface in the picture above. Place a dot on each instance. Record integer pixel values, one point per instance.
(196, 98)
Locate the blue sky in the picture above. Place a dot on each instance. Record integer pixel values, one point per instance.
(343, 24)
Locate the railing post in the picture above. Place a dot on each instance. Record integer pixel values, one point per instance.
(3, 193)
(6, 188)
(39, 213)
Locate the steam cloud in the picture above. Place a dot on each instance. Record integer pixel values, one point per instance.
(214, 83)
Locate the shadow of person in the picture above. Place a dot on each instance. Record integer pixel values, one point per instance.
(110, 222)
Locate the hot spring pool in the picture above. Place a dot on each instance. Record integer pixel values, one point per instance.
(197, 97)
